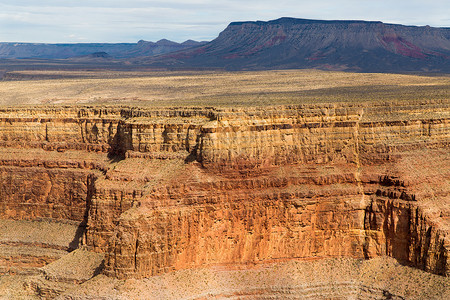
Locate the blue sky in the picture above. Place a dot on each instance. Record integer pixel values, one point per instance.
(73, 21)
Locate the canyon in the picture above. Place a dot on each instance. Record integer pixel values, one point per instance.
(178, 196)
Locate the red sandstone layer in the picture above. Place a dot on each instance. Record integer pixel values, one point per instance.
(174, 189)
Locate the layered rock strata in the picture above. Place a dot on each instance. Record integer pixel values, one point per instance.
(169, 189)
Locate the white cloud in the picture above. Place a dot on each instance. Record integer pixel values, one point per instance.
(128, 21)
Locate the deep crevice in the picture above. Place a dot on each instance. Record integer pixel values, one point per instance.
(120, 143)
(80, 234)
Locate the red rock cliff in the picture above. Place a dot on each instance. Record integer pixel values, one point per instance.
(161, 190)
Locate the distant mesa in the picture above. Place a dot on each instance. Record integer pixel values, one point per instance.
(113, 50)
(288, 43)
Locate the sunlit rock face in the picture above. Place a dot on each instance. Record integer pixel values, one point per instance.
(158, 190)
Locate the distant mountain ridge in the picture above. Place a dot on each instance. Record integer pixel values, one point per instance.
(285, 43)
(113, 50)
(337, 45)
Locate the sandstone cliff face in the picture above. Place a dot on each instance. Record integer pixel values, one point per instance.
(162, 190)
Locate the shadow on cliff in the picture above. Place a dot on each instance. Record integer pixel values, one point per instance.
(99, 269)
(193, 156)
(404, 234)
(120, 143)
(81, 230)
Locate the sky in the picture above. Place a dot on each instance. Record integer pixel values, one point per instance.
(82, 21)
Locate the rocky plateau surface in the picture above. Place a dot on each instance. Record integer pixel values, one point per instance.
(145, 193)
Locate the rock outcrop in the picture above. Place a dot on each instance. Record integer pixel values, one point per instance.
(181, 188)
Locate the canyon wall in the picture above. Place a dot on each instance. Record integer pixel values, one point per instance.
(158, 190)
